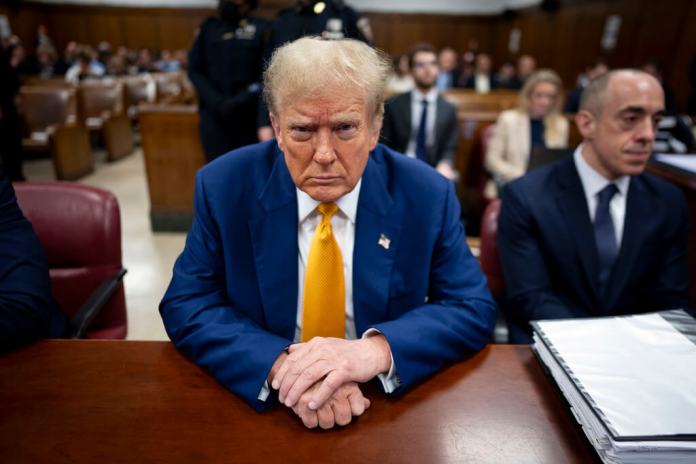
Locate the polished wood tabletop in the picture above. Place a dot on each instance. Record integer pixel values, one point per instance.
(128, 401)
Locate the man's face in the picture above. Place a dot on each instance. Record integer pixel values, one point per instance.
(619, 140)
(425, 70)
(326, 142)
(483, 64)
(526, 66)
(448, 59)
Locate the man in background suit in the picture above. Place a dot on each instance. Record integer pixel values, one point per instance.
(27, 309)
(593, 235)
(313, 239)
(420, 123)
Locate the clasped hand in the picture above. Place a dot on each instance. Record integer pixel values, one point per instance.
(318, 379)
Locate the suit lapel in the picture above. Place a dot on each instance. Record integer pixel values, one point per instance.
(274, 240)
(377, 232)
(639, 211)
(573, 206)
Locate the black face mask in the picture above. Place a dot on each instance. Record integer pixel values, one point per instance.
(229, 12)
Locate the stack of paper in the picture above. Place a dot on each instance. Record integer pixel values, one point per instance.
(630, 382)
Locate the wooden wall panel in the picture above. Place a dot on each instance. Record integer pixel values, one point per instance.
(104, 27)
(176, 31)
(566, 40)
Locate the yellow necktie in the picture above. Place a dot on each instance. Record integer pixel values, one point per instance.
(323, 310)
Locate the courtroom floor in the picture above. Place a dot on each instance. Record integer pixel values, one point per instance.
(148, 256)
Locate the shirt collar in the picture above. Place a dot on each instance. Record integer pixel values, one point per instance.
(430, 95)
(347, 204)
(592, 181)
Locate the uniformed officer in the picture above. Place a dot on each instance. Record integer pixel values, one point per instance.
(330, 19)
(225, 65)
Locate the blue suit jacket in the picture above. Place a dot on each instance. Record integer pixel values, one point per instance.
(549, 257)
(27, 309)
(232, 302)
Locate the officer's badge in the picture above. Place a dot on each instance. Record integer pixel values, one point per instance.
(334, 29)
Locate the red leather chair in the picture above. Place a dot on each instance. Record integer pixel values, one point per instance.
(489, 259)
(490, 265)
(80, 229)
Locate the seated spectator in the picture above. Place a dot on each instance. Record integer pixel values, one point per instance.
(401, 80)
(167, 63)
(27, 309)
(505, 78)
(482, 79)
(526, 66)
(84, 68)
(421, 124)
(448, 77)
(46, 62)
(535, 124)
(592, 235)
(596, 69)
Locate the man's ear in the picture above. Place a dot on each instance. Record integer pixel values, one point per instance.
(586, 123)
(275, 123)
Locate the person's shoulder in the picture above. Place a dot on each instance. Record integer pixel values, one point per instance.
(398, 98)
(665, 191)
(211, 22)
(538, 182)
(446, 103)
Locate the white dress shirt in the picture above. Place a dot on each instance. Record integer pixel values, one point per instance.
(343, 226)
(592, 183)
(417, 98)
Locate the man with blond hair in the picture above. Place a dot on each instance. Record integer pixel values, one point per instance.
(306, 271)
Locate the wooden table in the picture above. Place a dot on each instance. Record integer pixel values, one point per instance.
(126, 401)
(687, 182)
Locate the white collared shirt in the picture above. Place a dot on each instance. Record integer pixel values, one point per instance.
(417, 98)
(592, 183)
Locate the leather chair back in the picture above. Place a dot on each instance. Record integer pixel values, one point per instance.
(80, 229)
(46, 106)
(97, 97)
(489, 258)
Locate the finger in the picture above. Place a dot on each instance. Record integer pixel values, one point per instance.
(358, 403)
(310, 376)
(309, 418)
(328, 386)
(296, 362)
(341, 411)
(289, 361)
(326, 417)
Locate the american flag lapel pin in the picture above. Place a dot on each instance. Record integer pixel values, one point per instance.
(383, 241)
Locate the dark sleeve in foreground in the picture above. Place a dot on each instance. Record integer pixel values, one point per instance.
(27, 310)
(529, 288)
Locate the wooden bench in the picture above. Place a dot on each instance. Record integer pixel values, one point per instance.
(468, 101)
(50, 124)
(101, 109)
(173, 153)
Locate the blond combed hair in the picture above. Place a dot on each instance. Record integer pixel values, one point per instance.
(312, 67)
(542, 75)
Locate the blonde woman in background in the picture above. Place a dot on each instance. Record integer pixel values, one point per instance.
(537, 123)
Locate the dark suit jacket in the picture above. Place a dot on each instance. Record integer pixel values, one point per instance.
(27, 310)
(549, 256)
(232, 301)
(396, 129)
